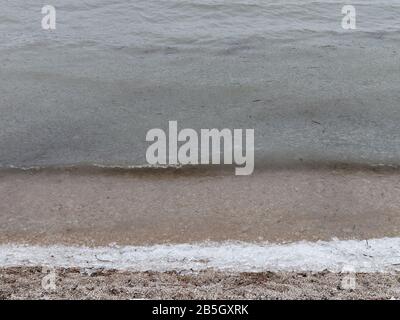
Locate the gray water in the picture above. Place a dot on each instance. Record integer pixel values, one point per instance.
(89, 91)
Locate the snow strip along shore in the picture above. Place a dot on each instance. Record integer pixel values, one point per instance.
(376, 255)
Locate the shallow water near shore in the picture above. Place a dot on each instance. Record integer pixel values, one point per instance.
(90, 90)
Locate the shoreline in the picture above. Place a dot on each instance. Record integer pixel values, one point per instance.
(276, 220)
(370, 255)
(96, 207)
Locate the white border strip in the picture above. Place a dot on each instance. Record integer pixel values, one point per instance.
(377, 255)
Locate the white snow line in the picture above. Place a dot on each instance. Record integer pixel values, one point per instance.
(376, 255)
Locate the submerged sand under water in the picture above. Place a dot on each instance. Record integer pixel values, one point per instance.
(89, 91)
(131, 207)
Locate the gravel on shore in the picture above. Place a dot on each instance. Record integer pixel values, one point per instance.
(74, 283)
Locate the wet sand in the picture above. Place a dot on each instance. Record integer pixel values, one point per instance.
(142, 207)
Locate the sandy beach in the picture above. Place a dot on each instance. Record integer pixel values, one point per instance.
(25, 283)
(111, 209)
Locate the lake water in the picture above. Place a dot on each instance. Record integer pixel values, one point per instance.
(89, 91)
